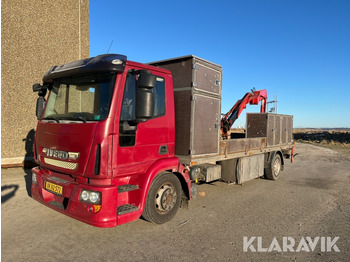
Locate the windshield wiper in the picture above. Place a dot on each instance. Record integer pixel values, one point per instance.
(77, 117)
(52, 118)
(82, 118)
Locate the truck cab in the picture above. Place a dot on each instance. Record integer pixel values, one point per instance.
(105, 132)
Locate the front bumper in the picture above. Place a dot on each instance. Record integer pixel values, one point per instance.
(69, 204)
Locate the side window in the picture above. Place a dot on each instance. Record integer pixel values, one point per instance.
(127, 124)
(128, 104)
(159, 94)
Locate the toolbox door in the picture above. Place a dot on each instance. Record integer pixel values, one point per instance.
(205, 130)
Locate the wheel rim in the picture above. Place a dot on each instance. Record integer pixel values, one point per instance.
(277, 166)
(166, 198)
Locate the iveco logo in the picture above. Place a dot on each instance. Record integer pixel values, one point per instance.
(60, 154)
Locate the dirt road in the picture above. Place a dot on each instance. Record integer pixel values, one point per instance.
(311, 199)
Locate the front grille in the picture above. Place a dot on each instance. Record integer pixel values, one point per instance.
(62, 164)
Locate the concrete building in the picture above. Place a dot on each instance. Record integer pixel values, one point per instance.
(35, 35)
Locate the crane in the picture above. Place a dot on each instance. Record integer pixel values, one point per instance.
(252, 98)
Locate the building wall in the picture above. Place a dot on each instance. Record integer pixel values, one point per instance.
(35, 35)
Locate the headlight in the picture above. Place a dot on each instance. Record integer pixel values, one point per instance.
(84, 195)
(34, 180)
(94, 197)
(90, 197)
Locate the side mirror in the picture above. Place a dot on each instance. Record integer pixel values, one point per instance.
(145, 101)
(146, 80)
(40, 105)
(37, 87)
(42, 89)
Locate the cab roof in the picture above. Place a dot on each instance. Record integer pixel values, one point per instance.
(101, 63)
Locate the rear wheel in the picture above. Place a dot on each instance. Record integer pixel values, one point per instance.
(163, 199)
(272, 172)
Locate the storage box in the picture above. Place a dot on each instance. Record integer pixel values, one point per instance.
(278, 129)
(197, 91)
(210, 172)
(249, 168)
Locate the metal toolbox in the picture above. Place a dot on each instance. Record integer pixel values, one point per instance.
(278, 129)
(249, 168)
(210, 172)
(197, 91)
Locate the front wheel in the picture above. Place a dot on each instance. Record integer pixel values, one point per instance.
(163, 199)
(272, 172)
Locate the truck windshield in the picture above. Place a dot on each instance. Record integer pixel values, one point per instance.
(84, 98)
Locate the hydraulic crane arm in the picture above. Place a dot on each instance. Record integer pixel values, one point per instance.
(252, 98)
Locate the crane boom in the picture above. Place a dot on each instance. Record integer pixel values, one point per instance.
(252, 98)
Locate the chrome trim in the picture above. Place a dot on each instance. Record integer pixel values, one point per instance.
(62, 164)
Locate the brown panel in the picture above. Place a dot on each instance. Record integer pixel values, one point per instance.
(270, 138)
(256, 125)
(192, 71)
(206, 119)
(182, 122)
(290, 128)
(237, 145)
(284, 129)
(277, 130)
(181, 71)
(242, 145)
(207, 79)
(196, 114)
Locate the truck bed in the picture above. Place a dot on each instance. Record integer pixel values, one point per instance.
(236, 148)
(264, 133)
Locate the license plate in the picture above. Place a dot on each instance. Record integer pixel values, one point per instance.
(54, 188)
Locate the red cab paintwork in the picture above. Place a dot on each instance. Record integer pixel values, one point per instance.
(119, 166)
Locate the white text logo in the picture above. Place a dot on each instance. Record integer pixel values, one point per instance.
(289, 244)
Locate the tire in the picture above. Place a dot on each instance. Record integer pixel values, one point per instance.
(163, 199)
(273, 171)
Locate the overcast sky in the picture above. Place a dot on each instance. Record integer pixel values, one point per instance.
(296, 49)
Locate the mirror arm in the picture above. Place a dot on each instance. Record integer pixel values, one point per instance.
(41, 89)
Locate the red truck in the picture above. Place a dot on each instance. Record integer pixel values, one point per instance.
(117, 139)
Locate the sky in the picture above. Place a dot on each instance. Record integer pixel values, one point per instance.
(298, 50)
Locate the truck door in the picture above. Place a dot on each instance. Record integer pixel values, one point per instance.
(140, 144)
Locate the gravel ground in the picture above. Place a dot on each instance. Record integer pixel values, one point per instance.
(311, 199)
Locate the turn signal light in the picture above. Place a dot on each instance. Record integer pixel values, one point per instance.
(94, 208)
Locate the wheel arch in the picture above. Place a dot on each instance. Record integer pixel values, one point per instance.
(164, 165)
(271, 155)
(184, 185)
(282, 159)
